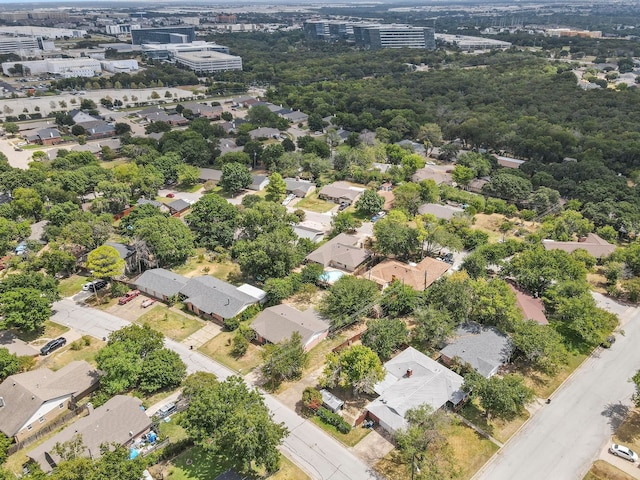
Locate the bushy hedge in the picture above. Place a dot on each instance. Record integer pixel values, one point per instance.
(333, 419)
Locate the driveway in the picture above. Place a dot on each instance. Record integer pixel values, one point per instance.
(563, 438)
(317, 453)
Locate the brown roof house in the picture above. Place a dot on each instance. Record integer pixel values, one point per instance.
(484, 348)
(413, 379)
(121, 420)
(343, 251)
(592, 243)
(417, 276)
(531, 308)
(340, 192)
(31, 400)
(276, 324)
(438, 173)
(300, 188)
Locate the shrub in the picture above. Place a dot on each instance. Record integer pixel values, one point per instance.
(240, 344)
(333, 419)
(118, 289)
(86, 339)
(311, 399)
(77, 345)
(231, 323)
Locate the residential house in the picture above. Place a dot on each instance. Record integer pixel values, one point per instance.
(93, 148)
(259, 182)
(120, 420)
(595, 245)
(217, 300)
(440, 174)
(340, 192)
(484, 348)
(445, 212)
(210, 175)
(31, 400)
(276, 324)
(159, 205)
(160, 283)
(98, 129)
(417, 276)
(330, 401)
(300, 188)
(475, 185)
(296, 116)
(531, 308)
(310, 233)
(344, 252)
(16, 346)
(228, 145)
(46, 136)
(508, 162)
(412, 380)
(206, 296)
(178, 206)
(149, 111)
(78, 116)
(381, 167)
(264, 132)
(243, 101)
(113, 143)
(126, 253)
(386, 192)
(210, 112)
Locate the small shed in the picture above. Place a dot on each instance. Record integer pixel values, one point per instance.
(330, 401)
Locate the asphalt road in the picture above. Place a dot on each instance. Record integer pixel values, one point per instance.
(317, 453)
(564, 437)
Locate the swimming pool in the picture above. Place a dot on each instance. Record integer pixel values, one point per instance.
(331, 276)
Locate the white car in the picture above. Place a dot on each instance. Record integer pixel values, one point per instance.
(287, 200)
(623, 452)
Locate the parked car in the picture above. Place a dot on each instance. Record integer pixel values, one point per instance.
(94, 285)
(166, 410)
(171, 195)
(610, 340)
(127, 297)
(623, 452)
(343, 206)
(148, 302)
(287, 200)
(53, 345)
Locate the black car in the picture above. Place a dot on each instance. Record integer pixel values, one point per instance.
(53, 345)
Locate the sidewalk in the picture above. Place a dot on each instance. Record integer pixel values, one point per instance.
(624, 465)
(203, 335)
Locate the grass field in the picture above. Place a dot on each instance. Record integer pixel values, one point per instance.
(468, 450)
(72, 285)
(172, 324)
(200, 264)
(86, 353)
(628, 433)
(50, 330)
(219, 349)
(349, 439)
(544, 385)
(500, 429)
(314, 204)
(602, 470)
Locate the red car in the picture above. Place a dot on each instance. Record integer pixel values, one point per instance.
(128, 297)
(171, 195)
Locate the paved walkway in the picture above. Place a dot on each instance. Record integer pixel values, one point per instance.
(203, 335)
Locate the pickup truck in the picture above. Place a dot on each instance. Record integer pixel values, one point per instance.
(128, 297)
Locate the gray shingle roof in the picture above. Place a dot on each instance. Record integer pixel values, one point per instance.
(343, 250)
(278, 323)
(24, 393)
(119, 420)
(298, 187)
(125, 251)
(179, 205)
(146, 201)
(484, 348)
(161, 281)
(213, 296)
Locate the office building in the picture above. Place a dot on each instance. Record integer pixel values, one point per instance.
(469, 43)
(375, 37)
(23, 46)
(166, 51)
(121, 29)
(209, 62)
(65, 67)
(328, 30)
(119, 66)
(163, 35)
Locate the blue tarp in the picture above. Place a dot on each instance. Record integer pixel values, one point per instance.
(133, 453)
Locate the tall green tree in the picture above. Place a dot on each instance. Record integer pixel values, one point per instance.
(433, 326)
(369, 202)
(9, 364)
(162, 368)
(229, 419)
(168, 238)
(277, 188)
(105, 262)
(24, 308)
(357, 367)
(348, 300)
(213, 221)
(385, 335)
(235, 177)
(284, 361)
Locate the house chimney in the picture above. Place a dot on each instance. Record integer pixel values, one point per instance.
(409, 372)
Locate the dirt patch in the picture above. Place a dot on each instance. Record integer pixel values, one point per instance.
(628, 433)
(491, 224)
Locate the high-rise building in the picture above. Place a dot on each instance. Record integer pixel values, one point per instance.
(163, 35)
(393, 36)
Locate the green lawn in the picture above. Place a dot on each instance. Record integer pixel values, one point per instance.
(544, 385)
(50, 330)
(172, 429)
(313, 203)
(219, 349)
(349, 439)
(172, 324)
(500, 429)
(87, 353)
(602, 470)
(72, 285)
